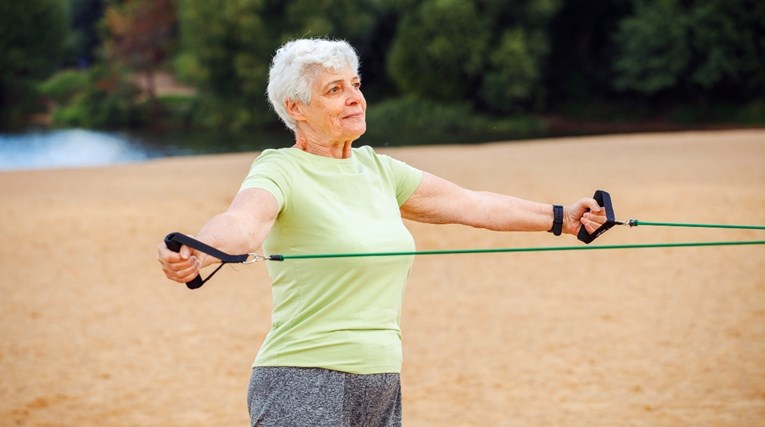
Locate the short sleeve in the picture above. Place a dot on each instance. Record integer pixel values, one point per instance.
(269, 172)
(406, 178)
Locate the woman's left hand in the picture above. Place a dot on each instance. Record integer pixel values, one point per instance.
(584, 213)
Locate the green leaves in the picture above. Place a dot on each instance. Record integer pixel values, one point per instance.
(33, 37)
(654, 47)
(691, 46)
(439, 50)
(488, 53)
(514, 70)
(489, 56)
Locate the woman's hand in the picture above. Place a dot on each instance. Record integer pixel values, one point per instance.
(584, 213)
(182, 266)
(241, 229)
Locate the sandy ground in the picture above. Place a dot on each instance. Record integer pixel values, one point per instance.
(93, 335)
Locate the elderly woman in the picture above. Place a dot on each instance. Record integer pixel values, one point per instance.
(333, 354)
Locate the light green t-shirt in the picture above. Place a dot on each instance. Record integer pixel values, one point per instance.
(336, 313)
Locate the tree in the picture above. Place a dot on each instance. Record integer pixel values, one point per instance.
(727, 40)
(140, 35)
(439, 50)
(712, 49)
(520, 52)
(579, 66)
(84, 18)
(227, 48)
(654, 49)
(489, 53)
(367, 24)
(33, 35)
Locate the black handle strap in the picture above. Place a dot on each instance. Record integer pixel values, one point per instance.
(604, 200)
(173, 241)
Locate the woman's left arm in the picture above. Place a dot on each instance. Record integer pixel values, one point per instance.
(439, 201)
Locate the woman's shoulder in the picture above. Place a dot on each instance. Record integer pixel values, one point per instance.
(273, 155)
(366, 152)
(272, 162)
(365, 149)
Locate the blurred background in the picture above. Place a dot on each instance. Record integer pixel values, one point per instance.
(134, 79)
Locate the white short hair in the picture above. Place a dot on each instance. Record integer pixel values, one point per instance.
(294, 69)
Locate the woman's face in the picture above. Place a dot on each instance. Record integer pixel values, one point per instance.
(338, 109)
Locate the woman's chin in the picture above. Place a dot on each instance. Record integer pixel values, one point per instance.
(355, 132)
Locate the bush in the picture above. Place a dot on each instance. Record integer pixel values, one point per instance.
(178, 110)
(406, 120)
(187, 69)
(753, 114)
(65, 85)
(107, 98)
(104, 97)
(414, 114)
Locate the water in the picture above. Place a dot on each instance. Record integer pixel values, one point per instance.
(69, 148)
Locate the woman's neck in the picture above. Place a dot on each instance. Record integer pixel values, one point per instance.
(338, 150)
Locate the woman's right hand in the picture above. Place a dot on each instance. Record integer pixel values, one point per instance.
(182, 266)
(241, 229)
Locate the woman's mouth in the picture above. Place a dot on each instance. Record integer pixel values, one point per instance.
(359, 115)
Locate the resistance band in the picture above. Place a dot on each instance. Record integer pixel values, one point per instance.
(173, 241)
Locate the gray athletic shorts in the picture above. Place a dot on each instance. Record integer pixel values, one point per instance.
(300, 397)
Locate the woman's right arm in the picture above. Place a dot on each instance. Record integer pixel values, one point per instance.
(241, 229)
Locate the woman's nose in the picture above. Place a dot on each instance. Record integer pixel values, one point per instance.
(355, 97)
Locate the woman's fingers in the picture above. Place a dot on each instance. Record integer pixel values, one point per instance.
(178, 266)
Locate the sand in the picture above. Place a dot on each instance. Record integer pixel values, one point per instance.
(93, 335)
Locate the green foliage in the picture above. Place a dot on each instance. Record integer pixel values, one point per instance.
(140, 35)
(65, 85)
(415, 114)
(226, 50)
(412, 115)
(349, 19)
(448, 65)
(439, 50)
(33, 34)
(103, 97)
(752, 113)
(489, 54)
(515, 70)
(727, 39)
(749, 114)
(654, 47)
(109, 99)
(187, 68)
(85, 40)
(692, 47)
(178, 111)
(579, 67)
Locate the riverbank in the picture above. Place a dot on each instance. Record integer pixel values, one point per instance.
(93, 335)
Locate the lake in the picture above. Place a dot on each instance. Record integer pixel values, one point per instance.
(67, 148)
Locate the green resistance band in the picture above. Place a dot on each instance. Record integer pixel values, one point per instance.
(177, 239)
(527, 249)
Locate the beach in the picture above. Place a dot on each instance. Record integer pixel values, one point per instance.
(94, 335)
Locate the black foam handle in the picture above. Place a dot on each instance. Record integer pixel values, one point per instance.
(175, 246)
(604, 200)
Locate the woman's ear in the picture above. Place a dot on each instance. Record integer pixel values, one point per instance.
(294, 109)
